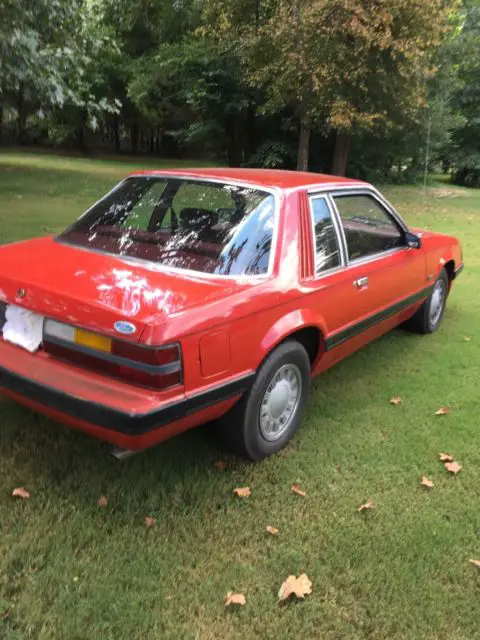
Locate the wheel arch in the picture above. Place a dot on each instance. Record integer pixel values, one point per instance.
(302, 325)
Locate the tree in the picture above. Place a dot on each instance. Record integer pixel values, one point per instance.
(49, 55)
(341, 65)
(464, 151)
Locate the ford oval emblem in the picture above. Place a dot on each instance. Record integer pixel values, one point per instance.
(124, 327)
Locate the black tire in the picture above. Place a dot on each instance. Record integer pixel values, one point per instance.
(422, 321)
(239, 429)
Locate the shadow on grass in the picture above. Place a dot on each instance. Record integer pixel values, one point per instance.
(68, 463)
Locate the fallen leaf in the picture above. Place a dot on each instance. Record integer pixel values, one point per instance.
(366, 505)
(442, 411)
(168, 597)
(467, 338)
(102, 501)
(445, 457)
(300, 586)
(234, 598)
(395, 400)
(272, 530)
(243, 492)
(221, 465)
(298, 490)
(426, 482)
(6, 613)
(149, 521)
(453, 467)
(476, 563)
(21, 492)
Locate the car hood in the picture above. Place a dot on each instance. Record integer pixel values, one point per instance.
(95, 290)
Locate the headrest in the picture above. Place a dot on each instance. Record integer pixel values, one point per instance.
(195, 218)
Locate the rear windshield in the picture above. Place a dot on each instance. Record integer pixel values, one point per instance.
(208, 227)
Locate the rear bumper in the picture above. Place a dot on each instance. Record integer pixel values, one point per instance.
(119, 421)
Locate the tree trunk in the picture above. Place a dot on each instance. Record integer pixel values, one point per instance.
(134, 137)
(340, 153)
(250, 137)
(116, 134)
(304, 142)
(21, 120)
(234, 151)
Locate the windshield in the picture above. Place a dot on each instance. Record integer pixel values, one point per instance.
(209, 227)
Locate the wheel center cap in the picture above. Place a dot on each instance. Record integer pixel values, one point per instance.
(279, 399)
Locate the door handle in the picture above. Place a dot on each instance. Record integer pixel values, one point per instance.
(360, 282)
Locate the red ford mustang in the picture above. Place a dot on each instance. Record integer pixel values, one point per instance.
(188, 296)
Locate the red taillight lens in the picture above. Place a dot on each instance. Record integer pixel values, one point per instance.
(147, 367)
(154, 357)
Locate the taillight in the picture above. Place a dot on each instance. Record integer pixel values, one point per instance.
(156, 368)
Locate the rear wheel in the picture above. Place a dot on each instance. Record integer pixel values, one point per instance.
(267, 416)
(427, 319)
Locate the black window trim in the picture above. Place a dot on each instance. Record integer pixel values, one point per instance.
(385, 205)
(338, 230)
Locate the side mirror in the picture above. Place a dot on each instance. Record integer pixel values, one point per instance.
(413, 241)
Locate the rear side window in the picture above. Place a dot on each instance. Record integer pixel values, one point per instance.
(327, 251)
(369, 228)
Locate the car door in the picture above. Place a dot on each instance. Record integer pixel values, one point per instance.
(379, 260)
(355, 288)
(331, 294)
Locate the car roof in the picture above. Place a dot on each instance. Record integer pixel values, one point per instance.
(266, 177)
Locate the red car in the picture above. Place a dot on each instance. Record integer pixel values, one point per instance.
(215, 294)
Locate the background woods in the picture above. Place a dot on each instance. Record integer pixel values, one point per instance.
(334, 85)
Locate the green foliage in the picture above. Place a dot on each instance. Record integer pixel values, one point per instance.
(247, 81)
(273, 154)
(51, 54)
(463, 153)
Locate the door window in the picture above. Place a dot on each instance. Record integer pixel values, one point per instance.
(369, 228)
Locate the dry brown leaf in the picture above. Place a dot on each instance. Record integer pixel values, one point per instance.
(366, 505)
(300, 586)
(442, 411)
(273, 531)
(221, 465)
(234, 598)
(453, 467)
(426, 482)
(21, 492)
(149, 521)
(395, 400)
(445, 457)
(102, 501)
(298, 490)
(243, 492)
(476, 563)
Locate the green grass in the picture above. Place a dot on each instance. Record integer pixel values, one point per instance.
(69, 569)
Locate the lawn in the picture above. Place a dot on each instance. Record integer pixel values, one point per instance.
(71, 569)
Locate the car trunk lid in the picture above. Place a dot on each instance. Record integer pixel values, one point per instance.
(95, 291)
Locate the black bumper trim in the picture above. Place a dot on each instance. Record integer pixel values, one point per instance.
(340, 337)
(458, 270)
(113, 419)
